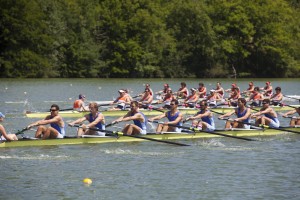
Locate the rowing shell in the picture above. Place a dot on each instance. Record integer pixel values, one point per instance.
(117, 113)
(166, 136)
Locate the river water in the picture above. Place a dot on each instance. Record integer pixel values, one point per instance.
(220, 168)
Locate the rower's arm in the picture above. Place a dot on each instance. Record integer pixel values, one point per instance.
(78, 121)
(2, 130)
(227, 114)
(158, 117)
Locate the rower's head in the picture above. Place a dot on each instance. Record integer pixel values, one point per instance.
(266, 102)
(93, 106)
(122, 92)
(183, 84)
(169, 90)
(81, 96)
(203, 104)
(174, 103)
(201, 85)
(251, 83)
(268, 83)
(256, 89)
(134, 105)
(147, 90)
(166, 85)
(54, 109)
(233, 85)
(242, 101)
(193, 90)
(278, 89)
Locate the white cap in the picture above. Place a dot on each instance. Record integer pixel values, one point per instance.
(212, 90)
(194, 89)
(121, 91)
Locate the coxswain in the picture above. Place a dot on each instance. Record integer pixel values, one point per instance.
(56, 128)
(139, 125)
(243, 116)
(266, 115)
(79, 104)
(3, 135)
(192, 99)
(206, 122)
(96, 120)
(174, 116)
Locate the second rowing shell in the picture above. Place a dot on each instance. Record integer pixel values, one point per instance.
(116, 113)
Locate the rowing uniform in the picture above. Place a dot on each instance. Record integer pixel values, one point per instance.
(203, 89)
(121, 102)
(256, 99)
(142, 125)
(274, 121)
(275, 99)
(268, 93)
(61, 130)
(240, 114)
(210, 123)
(100, 125)
(191, 100)
(173, 118)
(78, 104)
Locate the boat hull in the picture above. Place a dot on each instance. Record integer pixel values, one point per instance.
(166, 136)
(117, 113)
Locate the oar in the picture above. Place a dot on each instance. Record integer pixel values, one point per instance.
(291, 97)
(21, 131)
(281, 104)
(209, 132)
(265, 126)
(116, 133)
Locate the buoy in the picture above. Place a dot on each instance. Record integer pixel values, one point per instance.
(87, 181)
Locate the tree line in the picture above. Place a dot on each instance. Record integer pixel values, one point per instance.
(149, 38)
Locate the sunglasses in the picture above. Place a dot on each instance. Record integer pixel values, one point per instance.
(53, 110)
(172, 104)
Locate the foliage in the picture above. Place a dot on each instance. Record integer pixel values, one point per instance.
(149, 38)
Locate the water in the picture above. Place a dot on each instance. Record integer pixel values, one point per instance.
(222, 168)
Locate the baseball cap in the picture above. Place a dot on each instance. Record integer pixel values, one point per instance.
(193, 89)
(2, 115)
(121, 91)
(81, 96)
(212, 90)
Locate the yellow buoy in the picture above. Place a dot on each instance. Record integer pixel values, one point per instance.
(87, 181)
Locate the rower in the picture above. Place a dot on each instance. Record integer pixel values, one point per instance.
(212, 98)
(202, 90)
(206, 122)
(167, 99)
(243, 115)
(96, 120)
(182, 92)
(276, 98)
(174, 116)
(192, 99)
(3, 135)
(79, 104)
(266, 115)
(121, 101)
(57, 125)
(163, 92)
(235, 95)
(219, 89)
(146, 99)
(294, 120)
(147, 86)
(249, 90)
(139, 119)
(232, 89)
(268, 89)
(256, 97)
